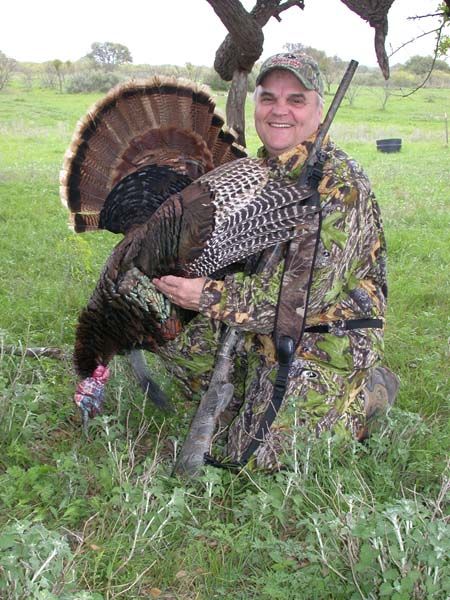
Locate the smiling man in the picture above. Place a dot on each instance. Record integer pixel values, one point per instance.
(288, 104)
(335, 381)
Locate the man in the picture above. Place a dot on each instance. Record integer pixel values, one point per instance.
(335, 382)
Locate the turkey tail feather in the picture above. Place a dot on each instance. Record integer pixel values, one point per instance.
(159, 121)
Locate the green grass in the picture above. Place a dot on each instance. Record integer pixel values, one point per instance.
(104, 518)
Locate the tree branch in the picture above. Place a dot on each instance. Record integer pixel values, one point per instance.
(242, 47)
(439, 30)
(438, 14)
(49, 352)
(375, 12)
(243, 28)
(287, 4)
(414, 39)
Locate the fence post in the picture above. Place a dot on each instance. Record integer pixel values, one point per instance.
(446, 129)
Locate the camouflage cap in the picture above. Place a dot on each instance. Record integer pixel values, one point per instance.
(301, 65)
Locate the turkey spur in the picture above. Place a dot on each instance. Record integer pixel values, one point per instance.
(153, 161)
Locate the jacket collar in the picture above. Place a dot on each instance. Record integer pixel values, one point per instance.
(290, 163)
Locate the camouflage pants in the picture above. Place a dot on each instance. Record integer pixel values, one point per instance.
(318, 397)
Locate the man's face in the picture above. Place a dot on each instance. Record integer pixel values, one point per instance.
(286, 113)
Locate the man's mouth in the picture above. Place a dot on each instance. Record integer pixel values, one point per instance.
(280, 125)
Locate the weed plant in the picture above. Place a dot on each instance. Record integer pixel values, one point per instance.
(103, 518)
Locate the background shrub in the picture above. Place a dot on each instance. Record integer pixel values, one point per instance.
(92, 81)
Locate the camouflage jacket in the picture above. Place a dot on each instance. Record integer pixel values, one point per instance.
(349, 277)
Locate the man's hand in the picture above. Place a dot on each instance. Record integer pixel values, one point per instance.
(182, 291)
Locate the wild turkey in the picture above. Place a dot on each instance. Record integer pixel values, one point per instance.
(153, 161)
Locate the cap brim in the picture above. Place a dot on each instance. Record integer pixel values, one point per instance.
(304, 82)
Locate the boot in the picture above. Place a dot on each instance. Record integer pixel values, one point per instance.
(380, 392)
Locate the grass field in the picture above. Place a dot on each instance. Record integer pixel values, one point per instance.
(103, 518)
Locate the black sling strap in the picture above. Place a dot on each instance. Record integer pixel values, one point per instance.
(346, 325)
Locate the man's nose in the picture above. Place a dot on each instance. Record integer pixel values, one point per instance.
(280, 108)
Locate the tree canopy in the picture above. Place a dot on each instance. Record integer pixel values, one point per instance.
(108, 55)
(421, 65)
(7, 66)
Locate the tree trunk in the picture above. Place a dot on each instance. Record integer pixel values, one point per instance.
(375, 12)
(241, 48)
(244, 44)
(235, 109)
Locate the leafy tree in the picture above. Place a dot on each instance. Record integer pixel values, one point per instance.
(48, 76)
(193, 72)
(352, 91)
(394, 86)
(61, 70)
(109, 55)
(420, 65)
(7, 67)
(444, 40)
(93, 81)
(57, 65)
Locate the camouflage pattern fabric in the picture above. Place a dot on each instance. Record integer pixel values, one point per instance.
(317, 399)
(299, 64)
(330, 369)
(297, 278)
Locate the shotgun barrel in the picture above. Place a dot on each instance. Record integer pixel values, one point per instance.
(325, 126)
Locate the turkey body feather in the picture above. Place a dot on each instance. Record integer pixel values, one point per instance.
(195, 232)
(153, 161)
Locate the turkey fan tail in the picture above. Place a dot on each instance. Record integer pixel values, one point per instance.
(159, 122)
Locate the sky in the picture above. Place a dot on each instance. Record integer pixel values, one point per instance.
(180, 31)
